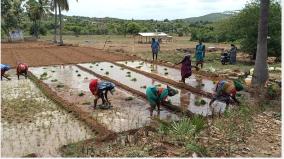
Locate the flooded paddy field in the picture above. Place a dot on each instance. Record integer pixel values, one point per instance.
(72, 84)
(185, 99)
(195, 81)
(33, 124)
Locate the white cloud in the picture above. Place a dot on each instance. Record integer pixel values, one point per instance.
(151, 9)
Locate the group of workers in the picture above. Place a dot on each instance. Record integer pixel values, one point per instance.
(225, 89)
(22, 69)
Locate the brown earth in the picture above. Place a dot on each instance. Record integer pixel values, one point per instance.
(42, 54)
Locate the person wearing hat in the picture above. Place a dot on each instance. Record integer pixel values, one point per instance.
(225, 90)
(100, 89)
(157, 95)
(186, 66)
(4, 68)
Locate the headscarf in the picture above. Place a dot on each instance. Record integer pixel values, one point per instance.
(238, 85)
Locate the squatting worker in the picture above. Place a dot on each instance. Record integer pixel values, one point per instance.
(100, 90)
(225, 90)
(200, 53)
(4, 69)
(22, 69)
(155, 48)
(157, 95)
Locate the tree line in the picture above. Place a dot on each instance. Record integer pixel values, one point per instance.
(39, 17)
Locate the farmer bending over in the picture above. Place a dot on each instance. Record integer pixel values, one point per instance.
(157, 95)
(100, 89)
(186, 67)
(4, 68)
(225, 90)
(22, 69)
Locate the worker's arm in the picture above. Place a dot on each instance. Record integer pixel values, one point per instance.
(235, 99)
(6, 77)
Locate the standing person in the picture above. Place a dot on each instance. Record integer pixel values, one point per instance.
(157, 95)
(22, 69)
(100, 89)
(4, 68)
(155, 48)
(233, 54)
(225, 90)
(200, 54)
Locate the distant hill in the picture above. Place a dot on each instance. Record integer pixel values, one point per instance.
(212, 17)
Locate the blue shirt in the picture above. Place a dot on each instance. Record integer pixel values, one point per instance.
(4, 67)
(104, 85)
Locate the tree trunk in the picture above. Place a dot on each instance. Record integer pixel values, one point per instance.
(260, 75)
(55, 22)
(60, 23)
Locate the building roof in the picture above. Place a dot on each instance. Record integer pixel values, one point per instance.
(153, 34)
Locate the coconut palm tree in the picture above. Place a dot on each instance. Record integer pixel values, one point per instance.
(260, 75)
(53, 7)
(36, 11)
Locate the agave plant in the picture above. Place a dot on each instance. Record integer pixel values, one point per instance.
(182, 129)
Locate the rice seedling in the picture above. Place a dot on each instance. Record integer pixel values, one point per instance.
(54, 80)
(129, 98)
(101, 69)
(81, 94)
(111, 66)
(91, 66)
(134, 79)
(143, 86)
(138, 67)
(165, 69)
(128, 76)
(107, 73)
(60, 86)
(166, 73)
(79, 75)
(76, 71)
(128, 72)
(121, 68)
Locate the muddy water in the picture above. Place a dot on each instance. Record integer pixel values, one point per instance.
(171, 73)
(41, 131)
(124, 115)
(184, 98)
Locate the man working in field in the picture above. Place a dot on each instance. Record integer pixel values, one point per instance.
(155, 48)
(157, 95)
(225, 90)
(4, 68)
(22, 69)
(100, 89)
(200, 54)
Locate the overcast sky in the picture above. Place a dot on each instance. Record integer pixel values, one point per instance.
(151, 9)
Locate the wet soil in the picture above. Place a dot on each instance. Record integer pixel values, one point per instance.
(128, 111)
(185, 99)
(32, 123)
(171, 73)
